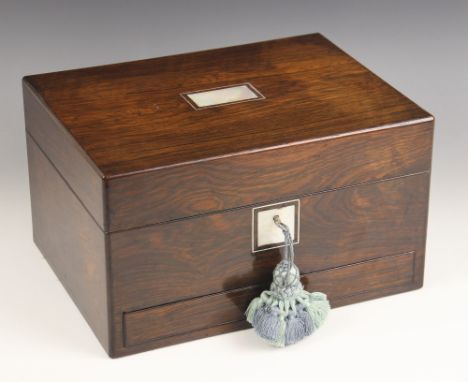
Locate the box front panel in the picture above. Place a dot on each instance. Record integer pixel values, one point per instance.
(273, 175)
(355, 243)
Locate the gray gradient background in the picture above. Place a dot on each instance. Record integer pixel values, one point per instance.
(420, 47)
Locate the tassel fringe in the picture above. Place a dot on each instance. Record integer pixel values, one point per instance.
(285, 322)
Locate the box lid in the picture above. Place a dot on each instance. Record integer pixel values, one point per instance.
(148, 117)
(131, 117)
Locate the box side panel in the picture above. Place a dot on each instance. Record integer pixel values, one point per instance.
(268, 176)
(67, 157)
(70, 240)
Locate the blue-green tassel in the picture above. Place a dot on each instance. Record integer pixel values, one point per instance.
(287, 313)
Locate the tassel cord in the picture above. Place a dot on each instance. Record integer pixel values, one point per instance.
(289, 245)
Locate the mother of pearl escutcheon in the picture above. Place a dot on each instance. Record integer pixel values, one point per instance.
(225, 95)
(265, 233)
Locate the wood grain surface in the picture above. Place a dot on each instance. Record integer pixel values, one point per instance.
(130, 117)
(142, 205)
(340, 284)
(71, 242)
(195, 257)
(69, 159)
(269, 176)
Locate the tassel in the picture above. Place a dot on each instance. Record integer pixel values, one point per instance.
(287, 313)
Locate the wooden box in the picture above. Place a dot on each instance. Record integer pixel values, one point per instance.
(147, 177)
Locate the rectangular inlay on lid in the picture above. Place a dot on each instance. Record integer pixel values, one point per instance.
(222, 96)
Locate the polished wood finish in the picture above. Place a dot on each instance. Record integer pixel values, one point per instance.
(340, 284)
(136, 153)
(188, 316)
(82, 175)
(374, 251)
(267, 176)
(130, 117)
(70, 240)
(142, 205)
(208, 254)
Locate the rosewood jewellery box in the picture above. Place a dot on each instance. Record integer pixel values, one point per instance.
(154, 183)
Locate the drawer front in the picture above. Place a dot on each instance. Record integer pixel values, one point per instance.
(209, 254)
(348, 282)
